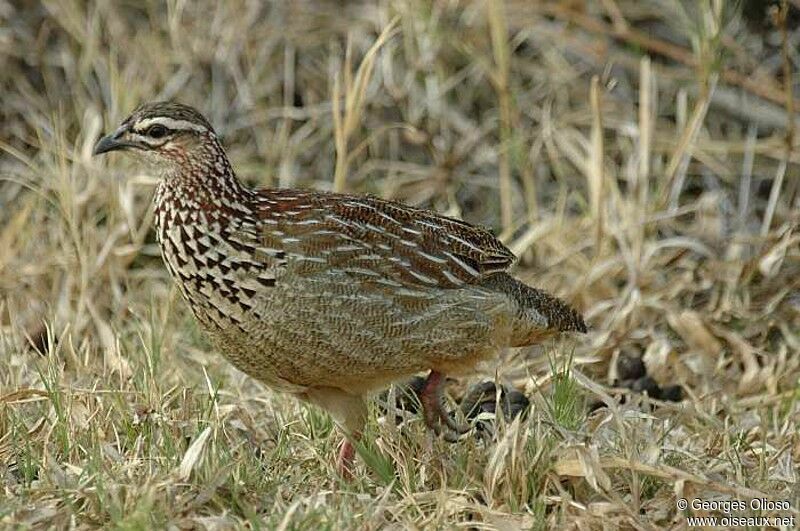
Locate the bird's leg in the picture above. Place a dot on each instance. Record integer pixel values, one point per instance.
(349, 411)
(345, 460)
(436, 417)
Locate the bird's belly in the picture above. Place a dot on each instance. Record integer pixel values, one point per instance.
(237, 333)
(335, 330)
(320, 331)
(222, 291)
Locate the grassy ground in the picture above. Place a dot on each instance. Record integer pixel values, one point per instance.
(658, 195)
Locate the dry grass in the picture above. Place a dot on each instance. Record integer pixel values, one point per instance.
(658, 194)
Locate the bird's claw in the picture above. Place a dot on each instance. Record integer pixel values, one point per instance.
(436, 416)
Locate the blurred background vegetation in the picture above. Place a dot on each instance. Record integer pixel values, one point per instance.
(641, 157)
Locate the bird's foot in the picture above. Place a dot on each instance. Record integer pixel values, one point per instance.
(436, 417)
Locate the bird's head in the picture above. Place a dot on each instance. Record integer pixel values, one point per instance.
(165, 134)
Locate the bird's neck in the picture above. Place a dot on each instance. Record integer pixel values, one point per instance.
(204, 186)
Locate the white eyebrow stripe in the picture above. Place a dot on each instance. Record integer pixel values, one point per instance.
(169, 123)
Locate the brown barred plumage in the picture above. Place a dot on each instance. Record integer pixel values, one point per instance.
(329, 296)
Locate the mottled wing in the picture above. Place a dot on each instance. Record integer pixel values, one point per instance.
(370, 238)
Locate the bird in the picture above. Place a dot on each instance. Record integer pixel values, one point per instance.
(329, 297)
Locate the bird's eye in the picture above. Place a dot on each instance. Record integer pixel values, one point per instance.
(156, 131)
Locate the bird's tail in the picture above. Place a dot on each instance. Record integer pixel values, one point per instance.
(539, 314)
